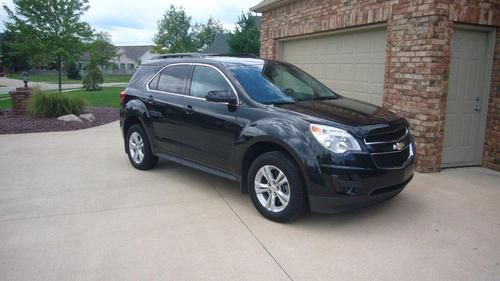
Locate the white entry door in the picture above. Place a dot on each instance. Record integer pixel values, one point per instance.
(467, 98)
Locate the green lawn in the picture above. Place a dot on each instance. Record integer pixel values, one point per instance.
(5, 101)
(54, 79)
(105, 97)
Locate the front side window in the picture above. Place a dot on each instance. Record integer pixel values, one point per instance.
(206, 79)
(274, 82)
(173, 79)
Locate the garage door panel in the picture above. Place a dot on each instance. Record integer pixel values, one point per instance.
(352, 64)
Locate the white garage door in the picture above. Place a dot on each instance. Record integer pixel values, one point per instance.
(350, 63)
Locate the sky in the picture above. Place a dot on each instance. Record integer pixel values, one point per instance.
(133, 22)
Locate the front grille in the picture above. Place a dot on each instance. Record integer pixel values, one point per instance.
(392, 159)
(387, 137)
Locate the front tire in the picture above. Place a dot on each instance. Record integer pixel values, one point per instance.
(277, 188)
(139, 149)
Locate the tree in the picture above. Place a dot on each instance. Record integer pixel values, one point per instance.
(205, 33)
(174, 32)
(177, 35)
(101, 50)
(11, 59)
(93, 77)
(73, 72)
(246, 37)
(49, 30)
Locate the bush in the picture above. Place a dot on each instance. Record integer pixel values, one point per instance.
(55, 105)
(73, 72)
(93, 77)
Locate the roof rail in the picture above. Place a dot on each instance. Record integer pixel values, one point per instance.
(237, 55)
(177, 56)
(200, 55)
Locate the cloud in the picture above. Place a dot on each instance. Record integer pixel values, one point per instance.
(134, 22)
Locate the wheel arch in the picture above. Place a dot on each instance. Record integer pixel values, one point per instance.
(136, 112)
(260, 147)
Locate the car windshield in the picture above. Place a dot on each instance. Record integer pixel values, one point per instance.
(273, 83)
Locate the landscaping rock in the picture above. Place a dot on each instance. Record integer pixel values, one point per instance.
(88, 116)
(69, 118)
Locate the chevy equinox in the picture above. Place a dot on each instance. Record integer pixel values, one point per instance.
(290, 141)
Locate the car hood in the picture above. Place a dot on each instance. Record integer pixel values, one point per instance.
(347, 112)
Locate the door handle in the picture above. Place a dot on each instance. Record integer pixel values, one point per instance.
(476, 108)
(150, 99)
(189, 109)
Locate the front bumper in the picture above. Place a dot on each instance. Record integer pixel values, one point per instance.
(353, 188)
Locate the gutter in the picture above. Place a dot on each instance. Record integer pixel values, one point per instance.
(267, 5)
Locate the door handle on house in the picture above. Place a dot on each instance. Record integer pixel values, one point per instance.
(476, 108)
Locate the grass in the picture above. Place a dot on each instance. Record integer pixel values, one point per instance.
(5, 102)
(53, 78)
(107, 97)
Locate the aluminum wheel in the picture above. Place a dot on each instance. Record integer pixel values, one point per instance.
(272, 189)
(136, 147)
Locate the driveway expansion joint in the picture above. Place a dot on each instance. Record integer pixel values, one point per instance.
(253, 234)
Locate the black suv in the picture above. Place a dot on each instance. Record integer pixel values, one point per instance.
(291, 142)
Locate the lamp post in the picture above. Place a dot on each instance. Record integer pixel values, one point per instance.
(25, 75)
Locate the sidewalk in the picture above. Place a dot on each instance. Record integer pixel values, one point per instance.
(12, 84)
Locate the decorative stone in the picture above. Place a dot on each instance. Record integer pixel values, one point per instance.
(20, 99)
(90, 117)
(69, 118)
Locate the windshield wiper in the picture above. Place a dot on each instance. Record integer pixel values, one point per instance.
(326, 98)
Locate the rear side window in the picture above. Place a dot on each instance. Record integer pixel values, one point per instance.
(206, 79)
(172, 79)
(142, 76)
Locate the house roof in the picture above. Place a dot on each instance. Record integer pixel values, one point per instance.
(219, 46)
(132, 52)
(267, 5)
(135, 52)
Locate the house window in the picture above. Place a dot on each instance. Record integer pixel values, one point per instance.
(131, 66)
(122, 66)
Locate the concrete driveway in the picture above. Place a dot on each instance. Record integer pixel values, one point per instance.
(72, 208)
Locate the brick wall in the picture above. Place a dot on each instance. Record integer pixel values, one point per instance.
(417, 58)
(491, 155)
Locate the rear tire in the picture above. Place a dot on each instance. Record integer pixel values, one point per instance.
(276, 187)
(138, 149)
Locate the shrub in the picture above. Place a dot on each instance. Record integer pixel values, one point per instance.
(55, 105)
(73, 72)
(93, 77)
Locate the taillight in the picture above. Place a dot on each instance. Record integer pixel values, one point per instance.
(123, 95)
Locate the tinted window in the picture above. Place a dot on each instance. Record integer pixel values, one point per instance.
(153, 85)
(274, 82)
(142, 76)
(173, 79)
(206, 79)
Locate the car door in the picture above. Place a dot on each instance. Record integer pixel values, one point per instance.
(211, 134)
(167, 103)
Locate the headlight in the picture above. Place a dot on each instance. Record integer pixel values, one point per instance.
(334, 139)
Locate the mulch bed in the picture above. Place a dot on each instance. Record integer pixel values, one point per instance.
(14, 124)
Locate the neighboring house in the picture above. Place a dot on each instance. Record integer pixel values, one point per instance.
(219, 46)
(436, 63)
(126, 61)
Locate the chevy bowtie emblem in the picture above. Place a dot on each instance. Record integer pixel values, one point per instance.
(399, 146)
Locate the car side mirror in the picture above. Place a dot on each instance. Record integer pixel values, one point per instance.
(221, 96)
